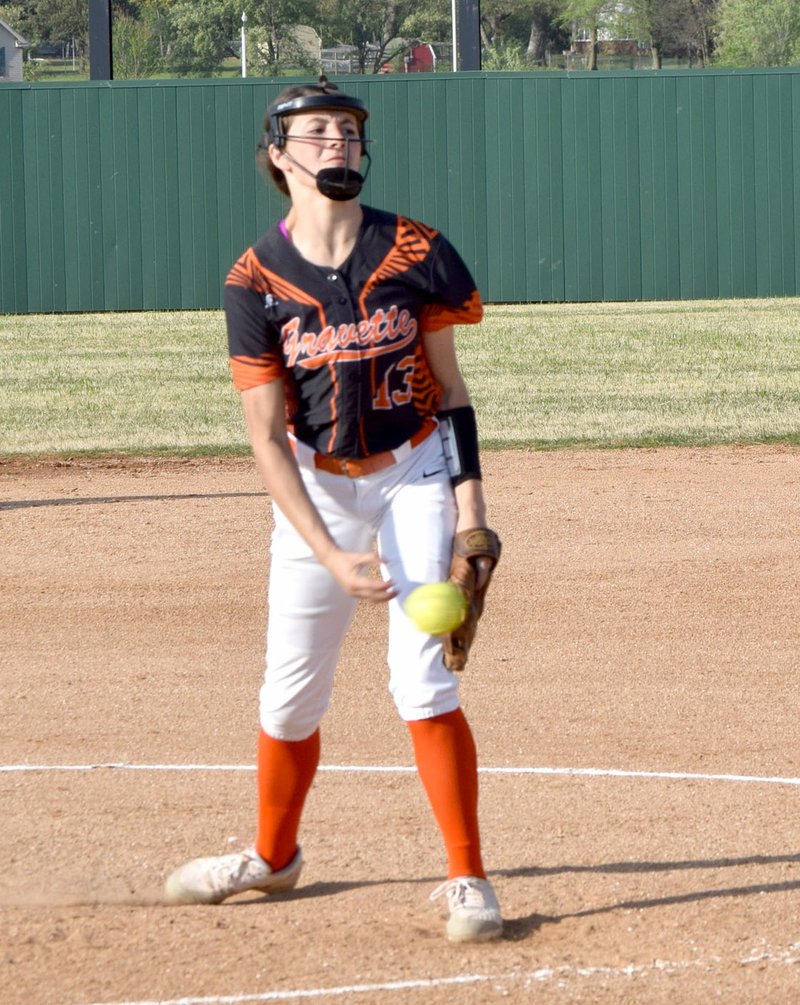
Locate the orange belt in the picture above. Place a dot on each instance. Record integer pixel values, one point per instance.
(358, 467)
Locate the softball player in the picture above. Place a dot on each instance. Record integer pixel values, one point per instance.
(340, 328)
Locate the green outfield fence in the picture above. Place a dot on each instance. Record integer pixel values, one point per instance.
(623, 185)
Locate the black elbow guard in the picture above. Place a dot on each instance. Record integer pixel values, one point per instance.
(459, 431)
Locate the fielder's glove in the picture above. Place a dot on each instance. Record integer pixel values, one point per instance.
(475, 554)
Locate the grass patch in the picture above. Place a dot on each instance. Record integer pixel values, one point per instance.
(541, 377)
(644, 374)
(144, 383)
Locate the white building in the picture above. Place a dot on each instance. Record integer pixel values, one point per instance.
(12, 46)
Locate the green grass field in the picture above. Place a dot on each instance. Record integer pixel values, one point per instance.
(541, 376)
(63, 71)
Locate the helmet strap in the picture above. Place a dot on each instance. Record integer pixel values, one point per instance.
(339, 184)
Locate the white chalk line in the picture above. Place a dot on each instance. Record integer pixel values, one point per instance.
(684, 776)
(788, 956)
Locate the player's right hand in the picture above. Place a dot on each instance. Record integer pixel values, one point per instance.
(358, 573)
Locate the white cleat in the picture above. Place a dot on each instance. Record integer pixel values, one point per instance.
(474, 911)
(212, 880)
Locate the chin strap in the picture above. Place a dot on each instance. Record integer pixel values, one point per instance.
(338, 183)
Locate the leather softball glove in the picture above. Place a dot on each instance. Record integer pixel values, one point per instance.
(476, 552)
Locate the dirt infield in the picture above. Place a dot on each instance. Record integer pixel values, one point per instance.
(633, 692)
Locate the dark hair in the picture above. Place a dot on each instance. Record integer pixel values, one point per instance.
(322, 89)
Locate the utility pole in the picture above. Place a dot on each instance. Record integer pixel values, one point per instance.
(244, 46)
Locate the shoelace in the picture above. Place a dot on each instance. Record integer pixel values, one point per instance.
(462, 891)
(236, 869)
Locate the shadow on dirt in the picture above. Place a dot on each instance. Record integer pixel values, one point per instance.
(521, 928)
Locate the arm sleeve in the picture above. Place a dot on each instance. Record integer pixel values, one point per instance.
(255, 357)
(454, 298)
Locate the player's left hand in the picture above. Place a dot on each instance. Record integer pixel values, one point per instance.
(476, 552)
(358, 573)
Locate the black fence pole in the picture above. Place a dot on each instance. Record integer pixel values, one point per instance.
(101, 63)
(469, 34)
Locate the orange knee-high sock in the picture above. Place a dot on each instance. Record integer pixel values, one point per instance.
(448, 767)
(286, 769)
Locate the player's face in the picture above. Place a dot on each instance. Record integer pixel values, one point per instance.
(324, 139)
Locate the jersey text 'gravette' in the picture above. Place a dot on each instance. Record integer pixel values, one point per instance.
(356, 377)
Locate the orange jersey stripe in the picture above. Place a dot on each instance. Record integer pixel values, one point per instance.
(425, 391)
(252, 275)
(438, 316)
(412, 243)
(334, 378)
(247, 372)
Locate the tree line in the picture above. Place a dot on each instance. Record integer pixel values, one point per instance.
(193, 37)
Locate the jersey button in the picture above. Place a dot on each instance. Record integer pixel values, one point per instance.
(332, 277)
(342, 300)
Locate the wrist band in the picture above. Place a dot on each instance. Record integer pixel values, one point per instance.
(459, 431)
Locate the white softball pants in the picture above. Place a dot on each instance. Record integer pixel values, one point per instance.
(408, 512)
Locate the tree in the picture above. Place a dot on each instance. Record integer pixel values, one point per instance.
(136, 48)
(758, 33)
(20, 17)
(61, 20)
(505, 56)
(667, 27)
(272, 33)
(497, 21)
(672, 27)
(54, 21)
(658, 23)
(432, 21)
(547, 32)
(155, 14)
(698, 30)
(201, 34)
(374, 27)
(532, 26)
(584, 14)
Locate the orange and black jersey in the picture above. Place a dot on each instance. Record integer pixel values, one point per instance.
(347, 342)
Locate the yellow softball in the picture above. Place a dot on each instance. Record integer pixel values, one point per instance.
(436, 608)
